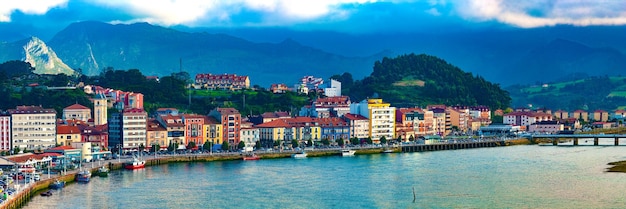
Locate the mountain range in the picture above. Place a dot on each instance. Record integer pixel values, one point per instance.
(274, 55)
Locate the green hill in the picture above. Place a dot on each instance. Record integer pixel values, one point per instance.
(419, 80)
(591, 93)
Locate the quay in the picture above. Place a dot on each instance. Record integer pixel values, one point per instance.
(555, 138)
(24, 195)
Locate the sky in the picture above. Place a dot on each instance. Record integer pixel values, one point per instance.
(346, 16)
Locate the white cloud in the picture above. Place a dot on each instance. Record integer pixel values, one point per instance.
(170, 12)
(539, 13)
(36, 7)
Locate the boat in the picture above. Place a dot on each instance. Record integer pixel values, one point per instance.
(347, 152)
(135, 164)
(83, 176)
(299, 155)
(57, 184)
(46, 193)
(387, 151)
(103, 172)
(251, 157)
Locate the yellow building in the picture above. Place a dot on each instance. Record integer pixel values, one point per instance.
(272, 131)
(66, 135)
(156, 135)
(212, 131)
(381, 117)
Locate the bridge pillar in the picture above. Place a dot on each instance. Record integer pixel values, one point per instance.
(595, 141)
(555, 141)
(616, 141)
(575, 141)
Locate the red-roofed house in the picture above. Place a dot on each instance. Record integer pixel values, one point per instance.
(619, 114)
(560, 114)
(327, 107)
(358, 125)
(225, 81)
(66, 135)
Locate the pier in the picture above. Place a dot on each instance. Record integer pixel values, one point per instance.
(452, 146)
(556, 138)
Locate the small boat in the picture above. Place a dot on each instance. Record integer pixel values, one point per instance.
(57, 184)
(46, 193)
(103, 171)
(299, 155)
(83, 176)
(135, 164)
(347, 152)
(251, 157)
(387, 151)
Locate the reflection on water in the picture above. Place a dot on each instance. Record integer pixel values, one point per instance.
(504, 177)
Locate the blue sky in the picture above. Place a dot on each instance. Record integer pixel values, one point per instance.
(348, 16)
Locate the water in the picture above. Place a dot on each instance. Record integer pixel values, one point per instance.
(504, 177)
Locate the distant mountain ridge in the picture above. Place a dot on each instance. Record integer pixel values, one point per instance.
(561, 58)
(92, 46)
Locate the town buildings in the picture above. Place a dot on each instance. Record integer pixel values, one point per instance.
(5, 131)
(128, 129)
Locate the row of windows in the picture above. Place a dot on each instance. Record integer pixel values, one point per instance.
(38, 117)
(34, 135)
(33, 129)
(34, 123)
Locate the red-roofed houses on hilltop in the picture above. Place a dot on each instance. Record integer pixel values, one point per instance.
(225, 81)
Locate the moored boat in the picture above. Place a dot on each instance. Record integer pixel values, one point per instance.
(83, 176)
(46, 193)
(387, 151)
(135, 164)
(103, 171)
(57, 184)
(347, 152)
(299, 155)
(251, 157)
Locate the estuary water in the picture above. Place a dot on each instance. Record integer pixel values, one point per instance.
(503, 177)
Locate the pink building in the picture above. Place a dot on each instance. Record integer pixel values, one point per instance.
(5, 132)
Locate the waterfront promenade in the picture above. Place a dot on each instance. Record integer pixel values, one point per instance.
(27, 191)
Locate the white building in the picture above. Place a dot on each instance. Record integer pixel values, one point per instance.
(358, 125)
(334, 90)
(128, 129)
(525, 118)
(250, 136)
(33, 127)
(550, 127)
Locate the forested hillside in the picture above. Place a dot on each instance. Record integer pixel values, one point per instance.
(419, 80)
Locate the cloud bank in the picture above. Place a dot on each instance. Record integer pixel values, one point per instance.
(242, 13)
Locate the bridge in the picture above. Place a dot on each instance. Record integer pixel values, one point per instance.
(575, 137)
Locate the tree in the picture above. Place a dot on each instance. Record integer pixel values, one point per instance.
(383, 140)
(225, 145)
(155, 148)
(142, 147)
(276, 143)
(399, 139)
(170, 147)
(354, 141)
(294, 143)
(191, 145)
(310, 143)
(340, 142)
(325, 141)
(411, 138)
(207, 145)
(241, 145)
(369, 140)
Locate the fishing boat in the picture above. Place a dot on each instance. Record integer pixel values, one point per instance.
(299, 155)
(46, 193)
(103, 171)
(347, 152)
(135, 164)
(57, 184)
(83, 176)
(387, 151)
(251, 157)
